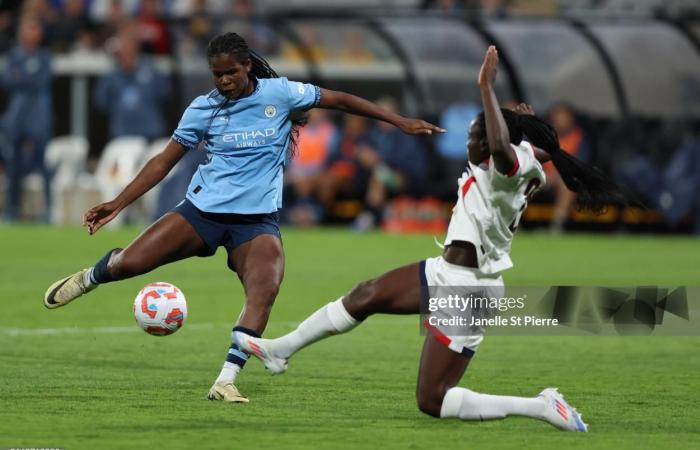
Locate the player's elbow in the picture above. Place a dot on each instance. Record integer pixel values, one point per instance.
(335, 100)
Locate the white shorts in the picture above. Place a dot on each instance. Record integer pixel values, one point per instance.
(436, 273)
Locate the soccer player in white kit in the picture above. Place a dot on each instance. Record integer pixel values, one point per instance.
(503, 171)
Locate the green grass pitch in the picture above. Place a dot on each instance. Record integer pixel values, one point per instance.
(86, 377)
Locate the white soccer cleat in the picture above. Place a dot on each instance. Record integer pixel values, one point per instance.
(261, 349)
(561, 414)
(66, 290)
(225, 391)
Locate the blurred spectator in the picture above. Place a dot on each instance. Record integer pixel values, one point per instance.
(27, 121)
(196, 31)
(9, 11)
(672, 187)
(155, 36)
(132, 94)
(344, 176)
(574, 141)
(311, 44)
(183, 9)
(451, 145)
(72, 28)
(493, 8)
(305, 170)
(397, 163)
(116, 18)
(100, 10)
(444, 6)
(244, 19)
(42, 11)
(355, 49)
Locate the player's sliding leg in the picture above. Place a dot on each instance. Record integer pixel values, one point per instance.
(438, 395)
(259, 264)
(396, 292)
(169, 239)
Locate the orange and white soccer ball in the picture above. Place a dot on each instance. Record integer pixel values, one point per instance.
(160, 308)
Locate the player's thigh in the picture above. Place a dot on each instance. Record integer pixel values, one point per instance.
(169, 239)
(396, 292)
(440, 369)
(259, 264)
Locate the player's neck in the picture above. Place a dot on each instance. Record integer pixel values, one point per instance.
(249, 89)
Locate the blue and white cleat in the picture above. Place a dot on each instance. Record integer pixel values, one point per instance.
(261, 349)
(561, 414)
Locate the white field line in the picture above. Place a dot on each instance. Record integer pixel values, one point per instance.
(135, 328)
(77, 330)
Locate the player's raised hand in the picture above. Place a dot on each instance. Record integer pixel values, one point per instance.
(100, 215)
(418, 126)
(487, 73)
(525, 109)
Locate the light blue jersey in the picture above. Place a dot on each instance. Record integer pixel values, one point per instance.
(246, 143)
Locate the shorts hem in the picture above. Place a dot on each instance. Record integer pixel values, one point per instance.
(447, 341)
(209, 250)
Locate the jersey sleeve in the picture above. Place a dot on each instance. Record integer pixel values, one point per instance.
(525, 164)
(302, 95)
(190, 130)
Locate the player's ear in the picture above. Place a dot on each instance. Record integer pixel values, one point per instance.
(248, 64)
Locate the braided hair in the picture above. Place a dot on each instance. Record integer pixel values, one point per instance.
(593, 188)
(233, 44)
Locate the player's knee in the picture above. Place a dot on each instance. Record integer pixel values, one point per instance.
(363, 296)
(430, 401)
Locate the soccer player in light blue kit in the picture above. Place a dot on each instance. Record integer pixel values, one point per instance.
(247, 126)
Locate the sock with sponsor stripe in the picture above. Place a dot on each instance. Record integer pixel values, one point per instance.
(470, 405)
(235, 359)
(327, 321)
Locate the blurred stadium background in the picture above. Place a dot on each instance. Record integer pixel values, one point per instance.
(620, 79)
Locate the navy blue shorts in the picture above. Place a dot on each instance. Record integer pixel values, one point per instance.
(228, 230)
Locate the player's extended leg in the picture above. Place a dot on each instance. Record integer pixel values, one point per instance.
(259, 264)
(169, 239)
(395, 292)
(437, 393)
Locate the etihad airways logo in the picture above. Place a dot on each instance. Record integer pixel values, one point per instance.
(252, 135)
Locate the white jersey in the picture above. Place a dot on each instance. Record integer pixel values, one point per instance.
(489, 207)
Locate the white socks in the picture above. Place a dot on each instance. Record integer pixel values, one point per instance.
(228, 372)
(327, 321)
(87, 278)
(470, 405)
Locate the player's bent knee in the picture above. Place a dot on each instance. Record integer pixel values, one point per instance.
(430, 402)
(363, 296)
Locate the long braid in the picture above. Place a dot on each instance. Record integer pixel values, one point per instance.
(232, 43)
(593, 188)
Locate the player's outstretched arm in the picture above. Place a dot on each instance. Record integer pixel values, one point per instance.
(496, 129)
(152, 173)
(353, 104)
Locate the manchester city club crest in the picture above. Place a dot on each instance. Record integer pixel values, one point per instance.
(270, 111)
